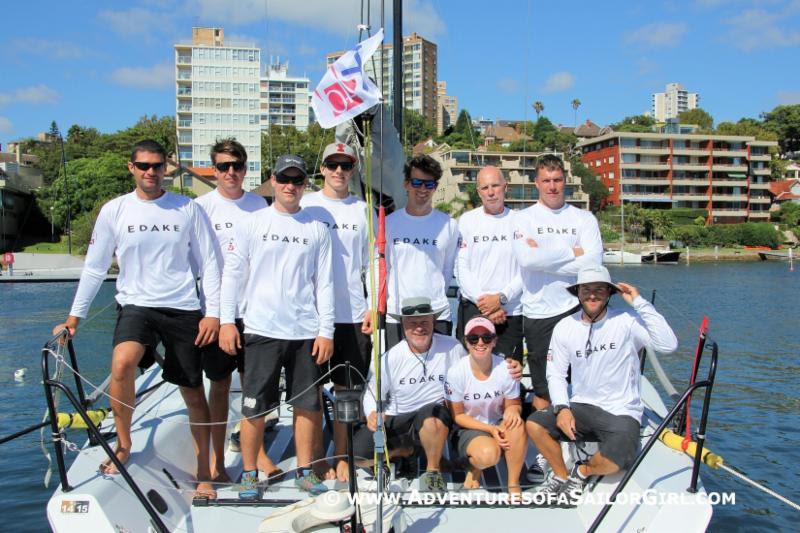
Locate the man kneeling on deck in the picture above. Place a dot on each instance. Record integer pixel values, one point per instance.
(601, 345)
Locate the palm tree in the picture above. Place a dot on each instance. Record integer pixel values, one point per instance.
(575, 105)
(538, 107)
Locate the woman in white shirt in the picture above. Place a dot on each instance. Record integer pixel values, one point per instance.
(485, 403)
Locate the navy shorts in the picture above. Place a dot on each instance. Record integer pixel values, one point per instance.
(617, 436)
(219, 364)
(262, 372)
(176, 329)
(402, 431)
(538, 332)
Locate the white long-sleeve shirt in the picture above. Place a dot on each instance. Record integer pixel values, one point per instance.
(157, 243)
(485, 263)
(284, 260)
(420, 257)
(609, 375)
(224, 214)
(347, 221)
(551, 266)
(410, 381)
(484, 400)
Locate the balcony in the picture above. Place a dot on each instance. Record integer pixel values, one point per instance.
(646, 197)
(760, 200)
(184, 106)
(725, 167)
(644, 181)
(690, 166)
(185, 123)
(761, 171)
(760, 157)
(717, 212)
(717, 197)
(184, 91)
(690, 197)
(730, 153)
(184, 59)
(645, 150)
(645, 166)
(759, 214)
(759, 186)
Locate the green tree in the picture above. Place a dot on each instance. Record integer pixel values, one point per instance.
(635, 123)
(416, 127)
(697, 116)
(538, 106)
(749, 127)
(789, 214)
(590, 184)
(784, 120)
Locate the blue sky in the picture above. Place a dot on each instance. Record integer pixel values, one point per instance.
(104, 64)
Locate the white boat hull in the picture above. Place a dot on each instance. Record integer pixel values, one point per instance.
(617, 257)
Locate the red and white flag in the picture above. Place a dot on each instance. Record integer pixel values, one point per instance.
(346, 90)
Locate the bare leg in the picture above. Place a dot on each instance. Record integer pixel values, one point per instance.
(432, 436)
(197, 406)
(483, 452)
(218, 408)
(599, 466)
(548, 447)
(515, 457)
(306, 425)
(321, 467)
(125, 357)
(340, 446)
(251, 437)
(540, 404)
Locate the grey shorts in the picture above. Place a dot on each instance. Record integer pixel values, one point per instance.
(617, 435)
(465, 436)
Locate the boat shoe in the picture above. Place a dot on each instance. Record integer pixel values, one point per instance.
(432, 481)
(249, 488)
(309, 482)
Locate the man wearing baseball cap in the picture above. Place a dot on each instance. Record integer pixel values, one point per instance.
(602, 345)
(346, 218)
(283, 258)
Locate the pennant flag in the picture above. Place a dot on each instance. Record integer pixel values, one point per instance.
(345, 90)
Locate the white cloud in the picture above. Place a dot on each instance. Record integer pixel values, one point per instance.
(38, 94)
(658, 34)
(507, 85)
(156, 77)
(5, 125)
(560, 81)
(759, 28)
(788, 97)
(44, 47)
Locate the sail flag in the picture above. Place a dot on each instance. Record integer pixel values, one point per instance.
(345, 90)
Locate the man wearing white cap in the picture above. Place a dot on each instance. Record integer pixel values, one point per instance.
(346, 218)
(602, 345)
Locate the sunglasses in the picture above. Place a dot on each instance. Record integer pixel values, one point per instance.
(238, 166)
(487, 338)
(144, 167)
(421, 308)
(283, 179)
(344, 165)
(428, 184)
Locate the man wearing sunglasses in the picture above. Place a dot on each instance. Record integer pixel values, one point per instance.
(283, 258)
(159, 239)
(226, 206)
(601, 345)
(346, 218)
(421, 246)
(488, 274)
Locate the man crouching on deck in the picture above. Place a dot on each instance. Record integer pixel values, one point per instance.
(157, 236)
(602, 346)
(412, 389)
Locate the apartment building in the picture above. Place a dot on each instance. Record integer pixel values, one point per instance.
(446, 108)
(460, 170)
(674, 100)
(726, 175)
(217, 90)
(419, 74)
(284, 98)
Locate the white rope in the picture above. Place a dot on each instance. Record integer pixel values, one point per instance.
(760, 487)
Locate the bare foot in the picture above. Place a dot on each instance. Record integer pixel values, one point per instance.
(324, 471)
(205, 490)
(472, 479)
(264, 463)
(515, 494)
(342, 471)
(108, 468)
(221, 477)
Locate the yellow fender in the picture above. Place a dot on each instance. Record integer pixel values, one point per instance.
(675, 441)
(75, 421)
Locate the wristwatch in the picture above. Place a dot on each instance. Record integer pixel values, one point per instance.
(503, 299)
(558, 408)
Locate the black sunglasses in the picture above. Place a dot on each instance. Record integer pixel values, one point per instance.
(144, 167)
(332, 165)
(428, 184)
(238, 166)
(486, 338)
(283, 179)
(421, 308)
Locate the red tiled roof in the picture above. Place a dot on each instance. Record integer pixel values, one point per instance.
(782, 190)
(206, 172)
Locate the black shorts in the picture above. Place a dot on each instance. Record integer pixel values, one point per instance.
(538, 332)
(509, 334)
(395, 334)
(176, 329)
(402, 431)
(617, 436)
(262, 372)
(349, 344)
(218, 364)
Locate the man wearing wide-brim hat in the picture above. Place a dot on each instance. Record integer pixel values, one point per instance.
(602, 345)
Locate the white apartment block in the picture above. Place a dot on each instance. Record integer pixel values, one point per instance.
(675, 100)
(284, 98)
(217, 96)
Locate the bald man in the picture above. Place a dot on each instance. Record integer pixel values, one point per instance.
(488, 273)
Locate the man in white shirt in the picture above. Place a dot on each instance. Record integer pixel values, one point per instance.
(169, 235)
(488, 274)
(283, 258)
(226, 206)
(601, 345)
(346, 218)
(421, 244)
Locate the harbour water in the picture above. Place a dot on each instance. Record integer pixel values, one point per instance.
(755, 414)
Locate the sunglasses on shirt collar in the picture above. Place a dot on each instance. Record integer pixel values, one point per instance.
(238, 166)
(283, 179)
(486, 338)
(417, 183)
(144, 167)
